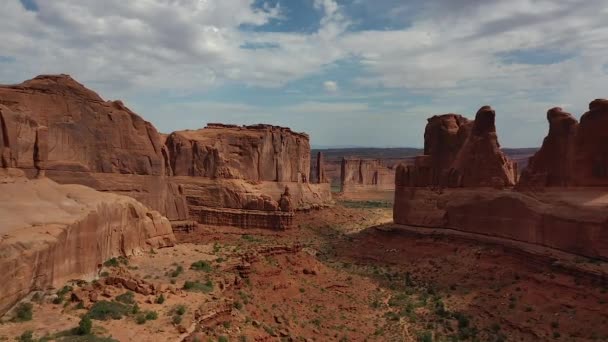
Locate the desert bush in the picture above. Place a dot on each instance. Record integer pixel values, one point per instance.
(201, 266)
(160, 299)
(198, 286)
(104, 310)
(85, 326)
(127, 298)
(24, 312)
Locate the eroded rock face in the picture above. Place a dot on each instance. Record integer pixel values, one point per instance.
(85, 132)
(86, 140)
(572, 154)
(255, 153)
(365, 174)
(319, 169)
(557, 219)
(552, 164)
(460, 153)
(51, 233)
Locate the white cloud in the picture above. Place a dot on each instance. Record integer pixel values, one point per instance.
(330, 86)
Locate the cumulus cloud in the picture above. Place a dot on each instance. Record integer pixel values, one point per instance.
(330, 86)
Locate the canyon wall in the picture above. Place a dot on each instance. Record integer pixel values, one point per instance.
(365, 174)
(464, 182)
(104, 145)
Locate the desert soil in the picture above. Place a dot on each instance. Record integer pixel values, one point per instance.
(340, 275)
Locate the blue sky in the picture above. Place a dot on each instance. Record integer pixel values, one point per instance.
(349, 73)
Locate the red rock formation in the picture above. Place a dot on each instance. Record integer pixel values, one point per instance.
(255, 153)
(572, 154)
(561, 219)
(51, 233)
(460, 153)
(552, 164)
(106, 146)
(88, 141)
(320, 175)
(365, 174)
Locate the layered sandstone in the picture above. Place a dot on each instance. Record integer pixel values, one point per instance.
(572, 154)
(104, 145)
(101, 144)
(467, 174)
(365, 174)
(569, 220)
(254, 153)
(52, 233)
(460, 153)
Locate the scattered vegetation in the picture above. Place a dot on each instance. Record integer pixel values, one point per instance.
(201, 266)
(115, 262)
(24, 312)
(366, 204)
(105, 310)
(126, 298)
(160, 299)
(198, 286)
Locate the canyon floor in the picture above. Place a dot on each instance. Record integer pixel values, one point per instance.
(343, 274)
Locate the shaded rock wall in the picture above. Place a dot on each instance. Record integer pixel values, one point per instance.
(365, 174)
(553, 220)
(53, 233)
(460, 153)
(572, 154)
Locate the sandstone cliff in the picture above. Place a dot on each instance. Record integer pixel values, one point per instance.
(53, 233)
(365, 174)
(255, 153)
(88, 141)
(460, 153)
(572, 154)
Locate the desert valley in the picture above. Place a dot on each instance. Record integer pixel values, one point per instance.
(114, 231)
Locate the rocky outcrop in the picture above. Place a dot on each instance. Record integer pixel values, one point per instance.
(254, 153)
(365, 174)
(52, 233)
(103, 145)
(319, 174)
(461, 184)
(460, 153)
(572, 154)
(574, 222)
(88, 141)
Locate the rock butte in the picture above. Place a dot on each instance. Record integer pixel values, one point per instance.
(183, 175)
(465, 182)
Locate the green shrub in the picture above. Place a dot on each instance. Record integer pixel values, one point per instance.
(85, 326)
(160, 299)
(177, 319)
(104, 310)
(425, 336)
(201, 266)
(180, 310)
(24, 312)
(115, 262)
(222, 339)
(198, 286)
(127, 298)
(27, 336)
(151, 315)
(178, 270)
(140, 319)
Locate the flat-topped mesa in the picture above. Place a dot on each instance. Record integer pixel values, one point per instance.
(460, 153)
(365, 174)
(572, 153)
(253, 153)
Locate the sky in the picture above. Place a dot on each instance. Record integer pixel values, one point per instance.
(347, 72)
